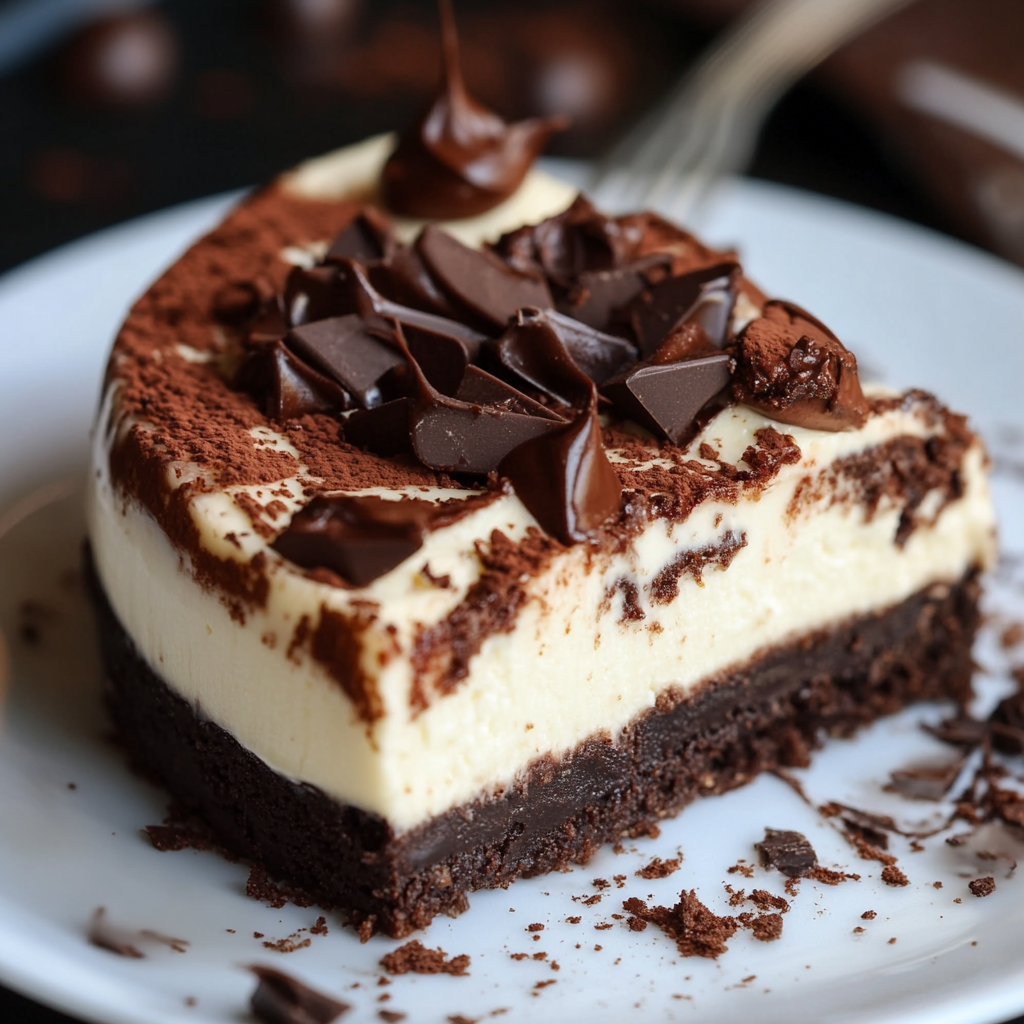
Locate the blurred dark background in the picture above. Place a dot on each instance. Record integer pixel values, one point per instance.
(110, 110)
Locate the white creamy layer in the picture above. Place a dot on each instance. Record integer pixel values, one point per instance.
(571, 667)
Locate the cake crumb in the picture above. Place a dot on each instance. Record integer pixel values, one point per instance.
(958, 900)
(829, 877)
(391, 1016)
(600, 883)
(745, 870)
(535, 927)
(696, 929)
(892, 940)
(573, 920)
(659, 868)
(892, 875)
(936, 885)
(869, 915)
(619, 880)
(416, 958)
(457, 1018)
(320, 927)
(982, 886)
(520, 956)
(857, 930)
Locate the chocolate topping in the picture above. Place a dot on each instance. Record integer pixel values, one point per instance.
(565, 479)
(793, 368)
(361, 538)
(281, 999)
(665, 399)
(704, 297)
(342, 347)
(790, 852)
(484, 285)
(368, 237)
(459, 159)
(289, 388)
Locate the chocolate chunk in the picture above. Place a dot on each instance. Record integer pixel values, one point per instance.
(459, 159)
(383, 430)
(665, 399)
(236, 303)
(535, 347)
(268, 323)
(927, 782)
(403, 278)
(370, 236)
(361, 538)
(312, 294)
(281, 999)
(285, 386)
(960, 732)
(477, 279)
(790, 852)
(597, 295)
(342, 347)
(791, 367)
(1007, 724)
(705, 296)
(461, 437)
(479, 387)
(565, 478)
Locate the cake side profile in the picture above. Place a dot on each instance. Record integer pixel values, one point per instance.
(429, 554)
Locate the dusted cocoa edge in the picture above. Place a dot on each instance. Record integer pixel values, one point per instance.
(765, 714)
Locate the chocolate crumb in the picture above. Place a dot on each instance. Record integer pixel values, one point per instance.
(391, 1016)
(415, 958)
(603, 926)
(982, 886)
(601, 883)
(892, 875)
(520, 956)
(320, 927)
(282, 999)
(696, 929)
(857, 930)
(766, 927)
(288, 945)
(106, 937)
(659, 868)
(892, 940)
(535, 927)
(457, 1018)
(829, 877)
(936, 885)
(869, 915)
(958, 900)
(257, 935)
(573, 920)
(741, 869)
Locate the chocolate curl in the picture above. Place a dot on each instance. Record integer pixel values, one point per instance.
(565, 478)
(459, 159)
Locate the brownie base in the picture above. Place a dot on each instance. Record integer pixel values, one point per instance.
(767, 714)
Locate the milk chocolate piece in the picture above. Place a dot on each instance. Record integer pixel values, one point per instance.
(281, 999)
(285, 386)
(477, 280)
(791, 367)
(705, 296)
(666, 398)
(459, 159)
(342, 347)
(565, 478)
(790, 852)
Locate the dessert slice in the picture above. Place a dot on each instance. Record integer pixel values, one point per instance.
(426, 559)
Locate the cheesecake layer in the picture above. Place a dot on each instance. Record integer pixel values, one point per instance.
(766, 713)
(410, 696)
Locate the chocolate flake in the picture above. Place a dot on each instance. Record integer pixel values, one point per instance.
(281, 999)
(925, 782)
(790, 852)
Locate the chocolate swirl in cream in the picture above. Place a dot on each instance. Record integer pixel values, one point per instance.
(459, 159)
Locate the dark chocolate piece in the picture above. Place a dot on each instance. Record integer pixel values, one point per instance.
(479, 387)
(285, 386)
(705, 297)
(368, 237)
(534, 348)
(926, 782)
(982, 886)
(961, 731)
(362, 537)
(665, 399)
(342, 347)
(477, 280)
(312, 294)
(565, 479)
(281, 999)
(597, 295)
(791, 367)
(791, 696)
(269, 323)
(404, 279)
(458, 158)
(790, 852)
(1007, 724)
(383, 430)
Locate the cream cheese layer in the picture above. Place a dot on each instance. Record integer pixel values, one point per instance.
(585, 656)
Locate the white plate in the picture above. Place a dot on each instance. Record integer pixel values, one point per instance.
(929, 311)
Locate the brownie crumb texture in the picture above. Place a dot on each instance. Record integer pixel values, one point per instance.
(415, 958)
(659, 868)
(982, 886)
(697, 931)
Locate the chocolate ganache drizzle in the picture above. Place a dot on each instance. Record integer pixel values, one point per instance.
(492, 364)
(458, 158)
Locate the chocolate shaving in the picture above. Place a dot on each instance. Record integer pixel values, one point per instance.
(926, 782)
(789, 852)
(281, 999)
(459, 159)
